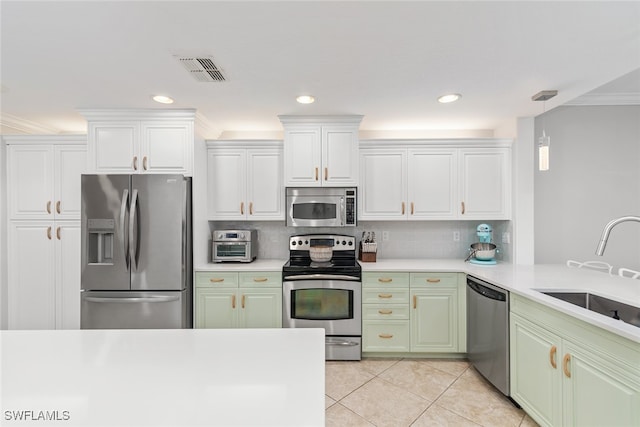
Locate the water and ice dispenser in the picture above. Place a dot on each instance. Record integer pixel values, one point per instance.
(101, 233)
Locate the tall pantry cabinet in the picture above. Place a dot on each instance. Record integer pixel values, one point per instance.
(43, 248)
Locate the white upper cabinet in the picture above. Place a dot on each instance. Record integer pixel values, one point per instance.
(244, 180)
(320, 151)
(485, 190)
(141, 141)
(414, 180)
(43, 176)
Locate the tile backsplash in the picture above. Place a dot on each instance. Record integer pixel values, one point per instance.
(406, 239)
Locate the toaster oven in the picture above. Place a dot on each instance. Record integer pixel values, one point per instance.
(234, 245)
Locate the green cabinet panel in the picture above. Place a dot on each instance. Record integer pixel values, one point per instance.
(434, 280)
(385, 335)
(385, 296)
(434, 320)
(248, 299)
(566, 372)
(385, 280)
(385, 312)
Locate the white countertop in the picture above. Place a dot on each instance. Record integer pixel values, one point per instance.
(256, 265)
(523, 280)
(182, 377)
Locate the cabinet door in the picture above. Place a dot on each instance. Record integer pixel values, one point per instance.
(434, 320)
(114, 147)
(303, 157)
(67, 267)
(260, 308)
(536, 358)
(70, 163)
(265, 192)
(226, 185)
(339, 156)
(31, 290)
(167, 147)
(598, 392)
(216, 308)
(486, 184)
(432, 180)
(383, 192)
(30, 181)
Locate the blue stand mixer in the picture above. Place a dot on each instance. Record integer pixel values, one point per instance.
(484, 251)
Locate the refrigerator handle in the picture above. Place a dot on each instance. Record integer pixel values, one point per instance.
(133, 230)
(123, 211)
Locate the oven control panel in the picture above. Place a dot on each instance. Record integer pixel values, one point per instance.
(336, 241)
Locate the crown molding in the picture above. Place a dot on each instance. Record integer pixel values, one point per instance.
(205, 129)
(594, 99)
(23, 126)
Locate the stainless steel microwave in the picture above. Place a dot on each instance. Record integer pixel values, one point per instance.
(321, 206)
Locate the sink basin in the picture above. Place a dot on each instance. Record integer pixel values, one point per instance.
(605, 306)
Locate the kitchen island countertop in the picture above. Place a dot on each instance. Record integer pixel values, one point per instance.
(173, 377)
(256, 265)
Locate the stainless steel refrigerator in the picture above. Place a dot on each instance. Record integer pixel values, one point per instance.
(136, 252)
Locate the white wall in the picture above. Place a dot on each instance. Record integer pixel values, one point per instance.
(594, 177)
(3, 235)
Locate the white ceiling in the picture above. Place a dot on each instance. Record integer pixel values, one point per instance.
(386, 60)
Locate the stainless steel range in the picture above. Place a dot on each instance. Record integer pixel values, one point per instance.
(325, 294)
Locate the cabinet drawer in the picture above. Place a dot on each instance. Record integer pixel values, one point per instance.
(385, 312)
(434, 279)
(256, 279)
(385, 296)
(384, 279)
(390, 335)
(213, 279)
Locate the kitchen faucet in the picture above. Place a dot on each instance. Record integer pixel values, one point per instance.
(607, 230)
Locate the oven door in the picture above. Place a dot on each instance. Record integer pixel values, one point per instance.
(231, 251)
(334, 305)
(315, 211)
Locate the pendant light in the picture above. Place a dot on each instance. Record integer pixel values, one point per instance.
(544, 141)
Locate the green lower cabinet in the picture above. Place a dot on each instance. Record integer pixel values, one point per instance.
(565, 372)
(385, 335)
(254, 301)
(536, 381)
(434, 320)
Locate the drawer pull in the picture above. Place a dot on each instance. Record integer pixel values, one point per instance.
(58, 233)
(316, 174)
(385, 336)
(243, 301)
(411, 208)
(415, 301)
(326, 174)
(462, 207)
(233, 301)
(565, 365)
(552, 356)
(433, 280)
(58, 206)
(385, 311)
(241, 208)
(144, 163)
(385, 280)
(260, 279)
(216, 279)
(49, 206)
(49, 233)
(135, 163)
(385, 295)
(250, 208)
(402, 208)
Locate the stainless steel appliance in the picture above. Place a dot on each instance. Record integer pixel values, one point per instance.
(136, 252)
(234, 245)
(488, 331)
(321, 207)
(325, 294)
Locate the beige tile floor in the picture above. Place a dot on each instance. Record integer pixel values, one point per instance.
(415, 392)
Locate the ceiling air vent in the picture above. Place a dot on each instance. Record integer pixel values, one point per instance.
(202, 68)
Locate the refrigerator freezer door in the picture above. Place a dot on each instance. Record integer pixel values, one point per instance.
(135, 310)
(104, 256)
(158, 240)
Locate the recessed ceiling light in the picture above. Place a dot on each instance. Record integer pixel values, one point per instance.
(450, 97)
(305, 99)
(162, 99)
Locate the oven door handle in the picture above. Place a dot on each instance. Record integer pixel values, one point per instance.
(321, 277)
(342, 343)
